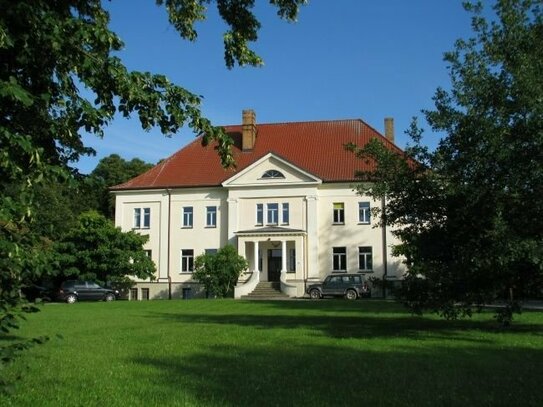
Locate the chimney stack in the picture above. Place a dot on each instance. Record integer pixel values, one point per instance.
(248, 130)
(389, 129)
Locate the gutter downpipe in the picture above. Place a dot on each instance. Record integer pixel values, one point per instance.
(384, 231)
(169, 233)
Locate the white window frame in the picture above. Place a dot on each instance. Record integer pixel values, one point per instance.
(259, 214)
(285, 213)
(211, 216)
(339, 213)
(364, 213)
(272, 213)
(188, 216)
(341, 259)
(187, 260)
(142, 218)
(365, 258)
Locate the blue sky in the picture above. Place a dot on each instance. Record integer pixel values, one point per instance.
(342, 59)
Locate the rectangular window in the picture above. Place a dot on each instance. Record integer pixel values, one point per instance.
(259, 214)
(339, 213)
(285, 214)
(339, 259)
(146, 218)
(148, 253)
(142, 218)
(133, 294)
(187, 261)
(187, 217)
(145, 294)
(365, 261)
(292, 260)
(210, 251)
(211, 216)
(364, 213)
(273, 213)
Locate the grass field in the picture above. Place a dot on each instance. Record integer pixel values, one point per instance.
(283, 353)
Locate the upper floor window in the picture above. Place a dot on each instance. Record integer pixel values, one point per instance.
(273, 174)
(187, 217)
(142, 218)
(211, 216)
(259, 214)
(285, 214)
(339, 213)
(273, 214)
(339, 259)
(365, 258)
(364, 213)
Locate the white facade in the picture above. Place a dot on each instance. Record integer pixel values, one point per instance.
(289, 225)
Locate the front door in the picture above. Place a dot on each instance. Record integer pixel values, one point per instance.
(274, 265)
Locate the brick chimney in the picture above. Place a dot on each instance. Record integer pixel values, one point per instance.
(389, 129)
(249, 130)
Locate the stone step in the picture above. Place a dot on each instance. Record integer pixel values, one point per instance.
(266, 289)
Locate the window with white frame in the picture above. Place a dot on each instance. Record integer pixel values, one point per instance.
(211, 216)
(292, 260)
(364, 213)
(365, 258)
(339, 213)
(188, 217)
(285, 213)
(339, 259)
(148, 253)
(273, 174)
(259, 214)
(187, 261)
(272, 213)
(142, 218)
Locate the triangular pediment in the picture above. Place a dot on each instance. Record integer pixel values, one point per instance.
(271, 170)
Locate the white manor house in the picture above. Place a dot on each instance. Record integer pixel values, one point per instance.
(289, 208)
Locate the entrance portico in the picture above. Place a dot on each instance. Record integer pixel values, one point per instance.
(273, 252)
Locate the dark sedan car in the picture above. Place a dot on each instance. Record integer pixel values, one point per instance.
(350, 286)
(74, 290)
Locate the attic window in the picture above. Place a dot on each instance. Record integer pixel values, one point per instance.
(273, 174)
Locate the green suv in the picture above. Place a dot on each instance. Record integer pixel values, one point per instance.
(350, 286)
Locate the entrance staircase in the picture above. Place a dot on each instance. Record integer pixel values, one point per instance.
(266, 290)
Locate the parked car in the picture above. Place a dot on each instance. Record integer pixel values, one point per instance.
(350, 286)
(75, 290)
(34, 292)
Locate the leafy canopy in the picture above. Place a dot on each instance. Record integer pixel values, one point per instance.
(219, 272)
(470, 214)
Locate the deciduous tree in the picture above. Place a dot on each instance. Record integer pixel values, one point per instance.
(470, 213)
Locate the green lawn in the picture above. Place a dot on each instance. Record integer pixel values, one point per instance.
(283, 353)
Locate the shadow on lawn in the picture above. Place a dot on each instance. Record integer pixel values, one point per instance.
(294, 375)
(366, 325)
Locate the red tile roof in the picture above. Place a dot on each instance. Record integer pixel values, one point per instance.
(316, 147)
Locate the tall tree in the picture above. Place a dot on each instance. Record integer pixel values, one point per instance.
(114, 170)
(470, 214)
(49, 50)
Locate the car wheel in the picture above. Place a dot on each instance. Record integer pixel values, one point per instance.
(351, 295)
(110, 297)
(315, 294)
(71, 298)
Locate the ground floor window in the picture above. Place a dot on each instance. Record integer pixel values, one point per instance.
(365, 258)
(145, 294)
(292, 260)
(339, 259)
(187, 261)
(134, 294)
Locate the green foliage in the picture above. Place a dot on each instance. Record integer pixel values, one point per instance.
(49, 51)
(469, 214)
(219, 272)
(110, 171)
(97, 250)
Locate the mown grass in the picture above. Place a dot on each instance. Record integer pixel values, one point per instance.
(283, 353)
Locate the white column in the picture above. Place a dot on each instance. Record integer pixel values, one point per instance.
(283, 256)
(255, 256)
